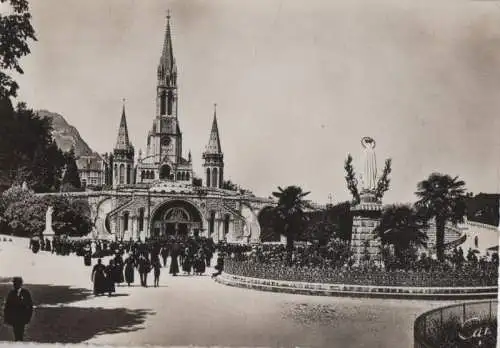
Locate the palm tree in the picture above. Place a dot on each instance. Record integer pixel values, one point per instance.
(289, 214)
(402, 227)
(443, 198)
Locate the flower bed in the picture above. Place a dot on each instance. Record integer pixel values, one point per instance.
(357, 276)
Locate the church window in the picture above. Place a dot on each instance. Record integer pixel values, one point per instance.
(179, 175)
(142, 175)
(163, 98)
(214, 177)
(122, 173)
(170, 102)
(128, 174)
(187, 176)
(208, 177)
(221, 177)
(152, 176)
(212, 222)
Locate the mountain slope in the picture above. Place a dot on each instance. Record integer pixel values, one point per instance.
(66, 136)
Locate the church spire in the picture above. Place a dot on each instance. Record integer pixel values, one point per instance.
(213, 146)
(167, 61)
(122, 141)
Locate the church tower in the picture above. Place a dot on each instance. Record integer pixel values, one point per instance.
(163, 160)
(214, 158)
(123, 156)
(165, 138)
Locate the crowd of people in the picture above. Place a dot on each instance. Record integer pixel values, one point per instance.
(188, 256)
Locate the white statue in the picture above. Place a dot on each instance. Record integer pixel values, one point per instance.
(48, 221)
(369, 177)
(25, 186)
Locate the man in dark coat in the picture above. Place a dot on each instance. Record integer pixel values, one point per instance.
(18, 308)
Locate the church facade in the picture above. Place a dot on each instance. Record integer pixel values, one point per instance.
(155, 193)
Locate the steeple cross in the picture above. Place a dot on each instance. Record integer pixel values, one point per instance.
(168, 14)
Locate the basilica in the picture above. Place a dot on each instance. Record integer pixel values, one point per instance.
(156, 194)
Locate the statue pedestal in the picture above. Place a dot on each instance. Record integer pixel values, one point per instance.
(366, 217)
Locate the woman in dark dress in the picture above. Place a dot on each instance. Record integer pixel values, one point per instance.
(129, 270)
(174, 264)
(119, 269)
(99, 278)
(110, 277)
(187, 262)
(199, 263)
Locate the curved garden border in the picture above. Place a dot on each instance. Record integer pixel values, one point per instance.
(322, 289)
(430, 323)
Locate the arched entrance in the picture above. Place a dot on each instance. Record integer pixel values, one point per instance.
(175, 218)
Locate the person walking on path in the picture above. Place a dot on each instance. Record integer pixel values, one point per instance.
(129, 270)
(110, 277)
(99, 278)
(157, 269)
(18, 308)
(174, 264)
(144, 269)
(164, 255)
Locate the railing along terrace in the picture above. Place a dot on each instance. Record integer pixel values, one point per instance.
(470, 324)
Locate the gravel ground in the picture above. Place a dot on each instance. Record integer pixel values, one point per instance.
(196, 311)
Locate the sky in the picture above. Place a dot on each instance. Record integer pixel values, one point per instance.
(297, 84)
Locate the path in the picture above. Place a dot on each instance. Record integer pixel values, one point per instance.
(198, 311)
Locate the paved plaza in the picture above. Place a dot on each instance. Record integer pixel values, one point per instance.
(196, 311)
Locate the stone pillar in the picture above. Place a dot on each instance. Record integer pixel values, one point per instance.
(366, 217)
(133, 229)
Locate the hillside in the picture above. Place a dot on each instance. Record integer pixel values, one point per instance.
(67, 136)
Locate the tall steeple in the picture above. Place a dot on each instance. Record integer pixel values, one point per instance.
(122, 141)
(167, 69)
(214, 159)
(123, 155)
(213, 146)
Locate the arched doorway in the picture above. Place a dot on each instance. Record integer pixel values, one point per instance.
(165, 172)
(175, 218)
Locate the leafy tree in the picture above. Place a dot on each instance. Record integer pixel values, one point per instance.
(384, 181)
(13, 194)
(28, 152)
(229, 185)
(290, 216)
(266, 222)
(352, 182)
(342, 216)
(403, 227)
(443, 198)
(15, 31)
(71, 178)
(26, 217)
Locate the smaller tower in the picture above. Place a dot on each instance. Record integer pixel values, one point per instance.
(214, 158)
(123, 155)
